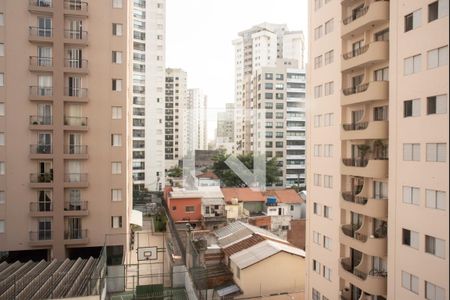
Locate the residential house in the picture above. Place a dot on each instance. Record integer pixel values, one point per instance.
(252, 202)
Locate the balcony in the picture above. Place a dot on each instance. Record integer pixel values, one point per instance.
(41, 151)
(370, 245)
(372, 53)
(75, 123)
(372, 168)
(41, 238)
(75, 94)
(76, 37)
(75, 208)
(372, 91)
(41, 123)
(75, 152)
(76, 8)
(377, 130)
(40, 35)
(76, 66)
(76, 237)
(375, 208)
(377, 12)
(41, 64)
(40, 93)
(76, 180)
(41, 180)
(41, 209)
(40, 6)
(374, 283)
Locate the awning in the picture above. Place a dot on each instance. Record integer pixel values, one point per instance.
(228, 290)
(136, 218)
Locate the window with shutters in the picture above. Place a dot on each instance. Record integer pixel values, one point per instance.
(437, 104)
(410, 282)
(411, 152)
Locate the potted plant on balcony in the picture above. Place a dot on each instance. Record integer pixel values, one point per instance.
(380, 149)
(363, 150)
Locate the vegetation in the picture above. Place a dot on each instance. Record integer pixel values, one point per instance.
(175, 172)
(160, 222)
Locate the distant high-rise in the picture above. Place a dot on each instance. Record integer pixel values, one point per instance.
(225, 123)
(377, 149)
(195, 127)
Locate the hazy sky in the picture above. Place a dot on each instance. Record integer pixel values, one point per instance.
(200, 34)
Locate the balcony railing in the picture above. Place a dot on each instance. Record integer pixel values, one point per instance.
(75, 177)
(41, 120)
(41, 149)
(41, 91)
(75, 63)
(355, 126)
(347, 265)
(356, 89)
(352, 197)
(75, 92)
(75, 121)
(355, 162)
(37, 61)
(39, 32)
(41, 206)
(356, 15)
(75, 205)
(41, 177)
(40, 3)
(80, 6)
(41, 235)
(79, 35)
(75, 234)
(351, 231)
(356, 52)
(75, 149)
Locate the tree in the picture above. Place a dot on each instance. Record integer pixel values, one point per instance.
(230, 179)
(175, 172)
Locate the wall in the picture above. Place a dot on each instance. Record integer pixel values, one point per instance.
(296, 235)
(179, 213)
(254, 207)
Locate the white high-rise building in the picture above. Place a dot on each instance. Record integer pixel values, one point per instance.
(148, 93)
(195, 127)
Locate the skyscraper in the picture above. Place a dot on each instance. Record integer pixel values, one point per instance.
(196, 127)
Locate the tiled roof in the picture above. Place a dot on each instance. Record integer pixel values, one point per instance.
(289, 196)
(208, 174)
(242, 194)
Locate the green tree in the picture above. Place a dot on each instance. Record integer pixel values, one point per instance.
(175, 172)
(230, 179)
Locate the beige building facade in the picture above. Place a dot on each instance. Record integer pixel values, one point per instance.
(65, 180)
(377, 146)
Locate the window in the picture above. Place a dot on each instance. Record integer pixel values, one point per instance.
(116, 140)
(316, 237)
(2, 49)
(413, 20)
(318, 62)
(437, 152)
(411, 108)
(328, 150)
(437, 9)
(411, 195)
(381, 74)
(317, 121)
(2, 109)
(2, 19)
(2, 226)
(117, 57)
(412, 64)
(2, 79)
(328, 181)
(326, 242)
(434, 292)
(317, 180)
(327, 273)
(316, 266)
(117, 29)
(329, 57)
(318, 32)
(382, 35)
(437, 104)
(410, 238)
(2, 168)
(327, 212)
(2, 139)
(317, 4)
(117, 3)
(116, 222)
(328, 119)
(410, 282)
(437, 57)
(411, 152)
(116, 195)
(435, 246)
(117, 85)
(329, 26)
(116, 168)
(329, 88)
(189, 209)
(315, 294)
(435, 199)
(317, 209)
(2, 197)
(317, 150)
(116, 112)
(318, 91)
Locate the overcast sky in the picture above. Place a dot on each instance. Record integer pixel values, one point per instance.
(200, 34)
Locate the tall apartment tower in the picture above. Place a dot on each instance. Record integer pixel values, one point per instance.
(279, 92)
(176, 93)
(225, 123)
(148, 93)
(377, 172)
(65, 160)
(261, 46)
(196, 127)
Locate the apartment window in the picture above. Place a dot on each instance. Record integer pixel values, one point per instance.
(412, 64)
(328, 181)
(435, 199)
(327, 273)
(117, 29)
(436, 152)
(316, 237)
(411, 108)
(327, 212)
(315, 294)
(2, 168)
(411, 195)
(2, 197)
(2, 19)
(317, 121)
(382, 35)
(381, 74)
(116, 168)
(117, 112)
(410, 282)
(116, 140)
(317, 150)
(413, 20)
(317, 4)
(116, 222)
(317, 179)
(329, 26)
(2, 109)
(327, 242)
(435, 246)
(2, 49)
(434, 292)
(268, 76)
(316, 266)
(437, 57)
(2, 79)
(328, 150)
(2, 139)
(411, 152)
(328, 119)
(117, 3)
(116, 195)
(329, 57)
(279, 76)
(117, 57)
(318, 32)
(318, 91)
(318, 62)
(437, 9)
(189, 209)
(2, 226)
(117, 85)
(317, 209)
(437, 104)
(410, 238)
(329, 88)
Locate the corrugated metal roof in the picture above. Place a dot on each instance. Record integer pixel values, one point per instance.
(261, 251)
(231, 289)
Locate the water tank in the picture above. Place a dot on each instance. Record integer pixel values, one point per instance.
(271, 201)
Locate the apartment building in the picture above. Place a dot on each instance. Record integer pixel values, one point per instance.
(65, 187)
(148, 17)
(257, 47)
(225, 129)
(377, 145)
(176, 93)
(196, 127)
